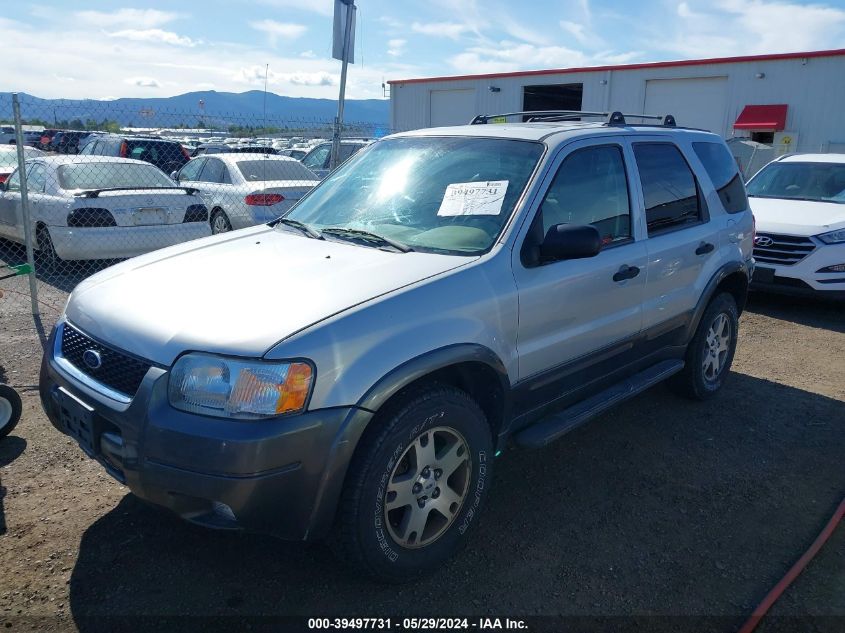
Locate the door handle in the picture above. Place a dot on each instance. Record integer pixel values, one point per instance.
(704, 248)
(626, 272)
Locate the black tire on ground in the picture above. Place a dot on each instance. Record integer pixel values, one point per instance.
(219, 222)
(365, 531)
(10, 410)
(697, 381)
(48, 260)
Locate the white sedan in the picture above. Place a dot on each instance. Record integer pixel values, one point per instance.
(246, 189)
(98, 207)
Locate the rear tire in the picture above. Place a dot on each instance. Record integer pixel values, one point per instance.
(10, 410)
(49, 261)
(432, 449)
(710, 352)
(219, 222)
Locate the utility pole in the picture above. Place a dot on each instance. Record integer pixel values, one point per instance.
(346, 51)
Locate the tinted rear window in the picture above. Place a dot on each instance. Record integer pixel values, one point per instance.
(723, 171)
(669, 187)
(111, 175)
(258, 170)
(154, 151)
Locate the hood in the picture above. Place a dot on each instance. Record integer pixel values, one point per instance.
(238, 293)
(796, 217)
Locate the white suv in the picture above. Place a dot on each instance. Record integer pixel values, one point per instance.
(799, 205)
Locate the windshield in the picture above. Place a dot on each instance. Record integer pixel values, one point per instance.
(819, 182)
(441, 194)
(111, 176)
(257, 170)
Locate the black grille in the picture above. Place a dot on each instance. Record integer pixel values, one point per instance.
(784, 250)
(120, 372)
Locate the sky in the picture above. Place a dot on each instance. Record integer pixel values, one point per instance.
(103, 49)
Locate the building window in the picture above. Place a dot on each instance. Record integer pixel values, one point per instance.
(552, 97)
(763, 137)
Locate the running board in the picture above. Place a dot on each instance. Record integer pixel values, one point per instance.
(554, 426)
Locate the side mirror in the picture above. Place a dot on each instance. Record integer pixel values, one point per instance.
(570, 241)
(174, 175)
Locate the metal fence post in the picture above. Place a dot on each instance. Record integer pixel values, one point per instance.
(27, 225)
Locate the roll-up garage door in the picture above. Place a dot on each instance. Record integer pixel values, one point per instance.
(699, 102)
(452, 107)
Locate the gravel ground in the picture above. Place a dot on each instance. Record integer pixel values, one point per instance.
(661, 507)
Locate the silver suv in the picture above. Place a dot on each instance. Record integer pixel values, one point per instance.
(352, 369)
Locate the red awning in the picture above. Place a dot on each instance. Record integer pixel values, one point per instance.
(762, 117)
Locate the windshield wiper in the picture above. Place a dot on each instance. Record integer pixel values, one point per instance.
(301, 226)
(341, 232)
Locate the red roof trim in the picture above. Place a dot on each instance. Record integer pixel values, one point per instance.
(762, 117)
(669, 64)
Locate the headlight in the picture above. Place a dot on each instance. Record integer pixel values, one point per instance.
(834, 237)
(232, 388)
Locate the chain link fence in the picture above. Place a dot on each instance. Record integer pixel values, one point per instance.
(93, 183)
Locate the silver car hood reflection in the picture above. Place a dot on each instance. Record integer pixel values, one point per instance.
(238, 293)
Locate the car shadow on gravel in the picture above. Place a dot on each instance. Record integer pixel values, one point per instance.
(11, 447)
(818, 313)
(662, 506)
(68, 273)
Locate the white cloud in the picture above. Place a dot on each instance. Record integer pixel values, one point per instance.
(309, 54)
(137, 18)
(323, 7)
(396, 47)
(309, 79)
(743, 27)
(142, 82)
(510, 56)
(578, 31)
(154, 35)
(452, 30)
(276, 30)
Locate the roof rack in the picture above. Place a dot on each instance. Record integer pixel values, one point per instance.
(611, 118)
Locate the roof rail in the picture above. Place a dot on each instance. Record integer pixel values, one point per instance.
(611, 118)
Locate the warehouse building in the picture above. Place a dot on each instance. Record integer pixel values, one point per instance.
(792, 101)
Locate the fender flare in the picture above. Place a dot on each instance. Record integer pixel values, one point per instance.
(362, 413)
(710, 290)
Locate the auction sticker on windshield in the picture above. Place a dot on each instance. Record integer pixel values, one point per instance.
(473, 198)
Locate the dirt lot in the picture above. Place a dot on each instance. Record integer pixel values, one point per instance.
(660, 508)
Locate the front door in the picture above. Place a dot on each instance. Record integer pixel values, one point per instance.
(581, 308)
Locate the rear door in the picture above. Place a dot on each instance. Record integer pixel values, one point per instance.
(682, 240)
(581, 310)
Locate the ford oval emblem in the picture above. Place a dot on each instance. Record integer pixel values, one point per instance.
(92, 358)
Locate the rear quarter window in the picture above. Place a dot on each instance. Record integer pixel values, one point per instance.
(723, 172)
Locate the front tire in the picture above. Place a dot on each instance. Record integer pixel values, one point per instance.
(711, 351)
(416, 485)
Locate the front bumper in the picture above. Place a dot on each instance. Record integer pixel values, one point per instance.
(117, 242)
(804, 278)
(276, 476)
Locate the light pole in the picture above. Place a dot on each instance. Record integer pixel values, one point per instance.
(346, 49)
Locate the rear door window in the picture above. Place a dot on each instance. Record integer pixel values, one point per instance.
(214, 171)
(36, 178)
(192, 170)
(723, 172)
(670, 191)
(319, 158)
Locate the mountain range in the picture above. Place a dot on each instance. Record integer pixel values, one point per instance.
(202, 109)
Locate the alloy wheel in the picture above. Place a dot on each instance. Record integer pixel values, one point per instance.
(717, 346)
(427, 487)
